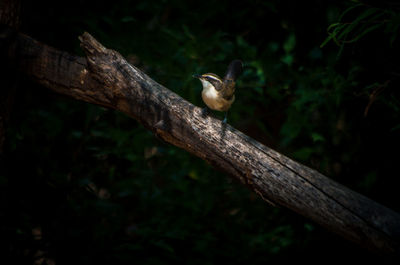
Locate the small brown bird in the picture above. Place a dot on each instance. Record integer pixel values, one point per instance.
(219, 94)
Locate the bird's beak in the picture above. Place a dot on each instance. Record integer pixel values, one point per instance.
(196, 76)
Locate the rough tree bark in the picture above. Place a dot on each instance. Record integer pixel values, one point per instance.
(9, 15)
(105, 78)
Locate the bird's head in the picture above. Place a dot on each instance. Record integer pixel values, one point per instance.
(210, 80)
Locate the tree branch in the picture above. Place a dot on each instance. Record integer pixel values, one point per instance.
(9, 15)
(105, 78)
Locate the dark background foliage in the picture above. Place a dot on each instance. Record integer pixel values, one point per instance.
(82, 184)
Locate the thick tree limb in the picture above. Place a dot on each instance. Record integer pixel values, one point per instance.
(9, 15)
(105, 78)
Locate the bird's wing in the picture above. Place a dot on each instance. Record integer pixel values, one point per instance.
(229, 90)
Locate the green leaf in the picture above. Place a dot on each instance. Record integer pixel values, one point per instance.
(348, 10)
(365, 32)
(309, 227)
(326, 41)
(188, 33)
(127, 19)
(316, 137)
(395, 128)
(303, 154)
(290, 43)
(287, 59)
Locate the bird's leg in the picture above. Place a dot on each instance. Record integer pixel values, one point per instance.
(225, 118)
(204, 111)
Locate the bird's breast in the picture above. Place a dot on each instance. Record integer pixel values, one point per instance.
(214, 100)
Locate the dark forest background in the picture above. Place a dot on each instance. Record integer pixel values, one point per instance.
(80, 184)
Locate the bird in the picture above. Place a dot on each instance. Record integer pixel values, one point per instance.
(219, 94)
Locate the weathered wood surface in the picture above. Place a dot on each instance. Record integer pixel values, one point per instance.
(105, 78)
(9, 16)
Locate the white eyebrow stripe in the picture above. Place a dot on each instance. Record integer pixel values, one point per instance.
(212, 77)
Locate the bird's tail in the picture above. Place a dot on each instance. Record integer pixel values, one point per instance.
(235, 68)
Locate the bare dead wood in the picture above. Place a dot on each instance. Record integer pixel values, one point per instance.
(105, 78)
(9, 15)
